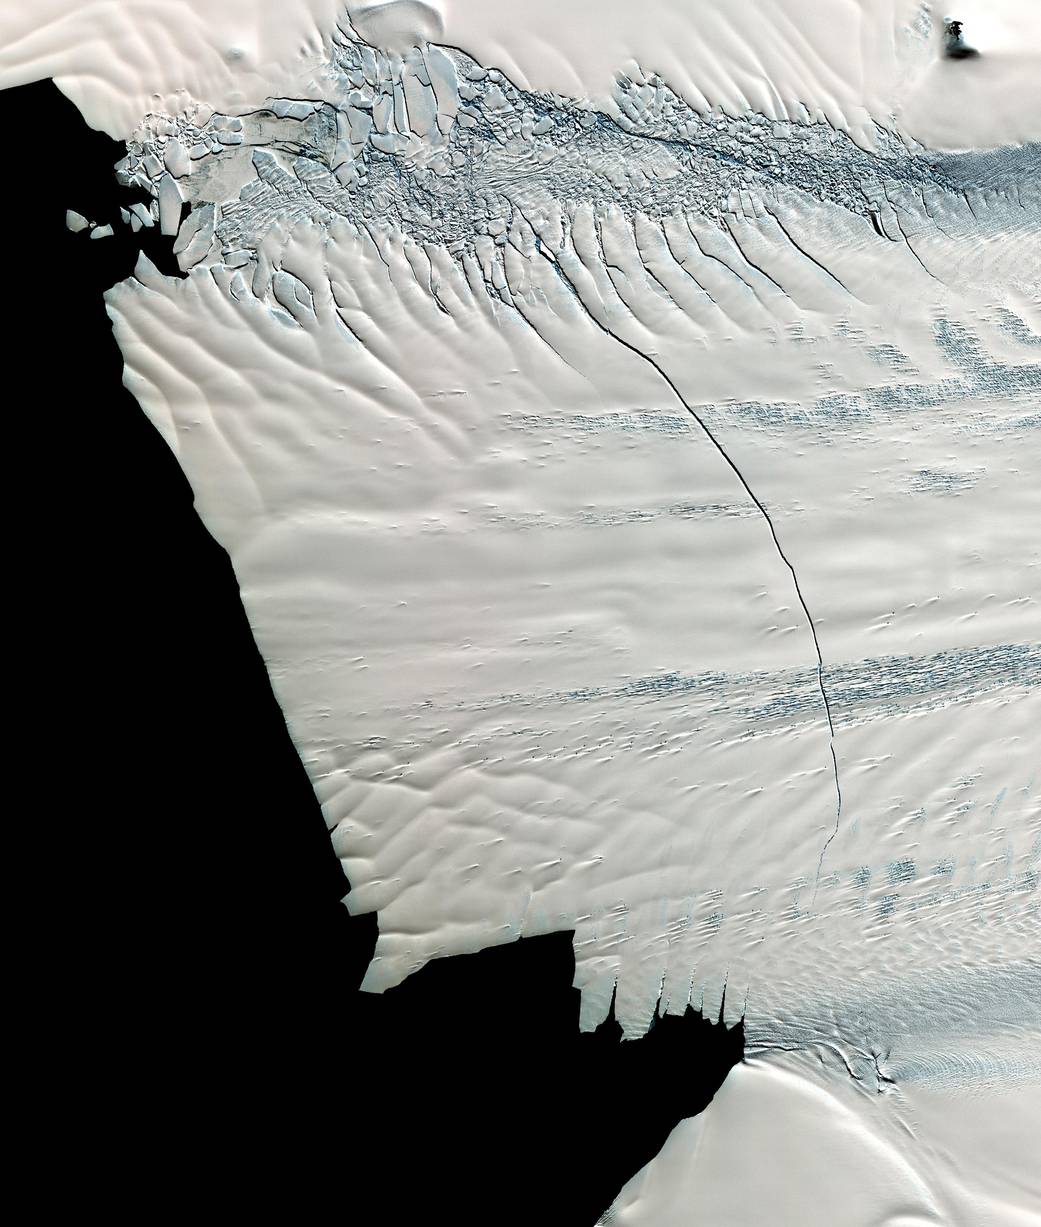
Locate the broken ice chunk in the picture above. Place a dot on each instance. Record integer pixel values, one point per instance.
(445, 85)
(382, 112)
(289, 108)
(238, 287)
(146, 272)
(170, 201)
(101, 232)
(75, 221)
(420, 103)
(176, 158)
(359, 126)
(495, 99)
(195, 237)
(400, 108)
(144, 217)
(197, 220)
(291, 293)
(124, 215)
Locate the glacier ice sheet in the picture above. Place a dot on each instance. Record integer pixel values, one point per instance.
(616, 475)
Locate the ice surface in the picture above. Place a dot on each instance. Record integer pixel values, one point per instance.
(623, 434)
(852, 1153)
(142, 214)
(170, 202)
(176, 158)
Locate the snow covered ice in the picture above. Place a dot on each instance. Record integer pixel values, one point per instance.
(624, 433)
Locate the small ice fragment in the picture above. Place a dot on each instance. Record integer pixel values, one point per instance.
(152, 165)
(495, 99)
(195, 237)
(170, 201)
(292, 295)
(101, 232)
(75, 221)
(124, 215)
(382, 112)
(146, 272)
(359, 126)
(420, 103)
(192, 224)
(144, 217)
(176, 158)
(288, 108)
(443, 80)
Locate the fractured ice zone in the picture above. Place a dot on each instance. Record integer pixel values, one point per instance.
(633, 510)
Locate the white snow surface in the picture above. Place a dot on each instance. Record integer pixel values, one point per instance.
(629, 553)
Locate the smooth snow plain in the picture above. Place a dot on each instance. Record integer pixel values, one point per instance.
(623, 423)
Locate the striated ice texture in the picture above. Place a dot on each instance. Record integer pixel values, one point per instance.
(634, 498)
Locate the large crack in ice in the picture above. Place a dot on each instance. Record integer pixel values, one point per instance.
(763, 511)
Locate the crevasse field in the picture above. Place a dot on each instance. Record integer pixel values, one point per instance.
(625, 422)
